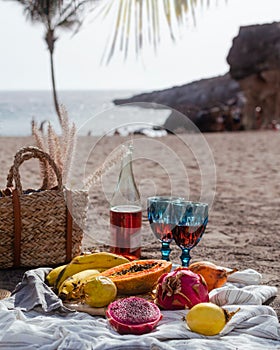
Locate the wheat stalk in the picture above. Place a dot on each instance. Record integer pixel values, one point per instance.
(58, 155)
(70, 152)
(104, 168)
(52, 150)
(61, 149)
(39, 139)
(65, 132)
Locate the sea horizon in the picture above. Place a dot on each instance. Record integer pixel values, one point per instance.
(93, 111)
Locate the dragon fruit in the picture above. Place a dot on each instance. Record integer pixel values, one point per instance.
(181, 289)
(133, 315)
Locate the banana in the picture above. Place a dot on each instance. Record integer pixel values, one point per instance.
(52, 276)
(101, 259)
(69, 289)
(96, 261)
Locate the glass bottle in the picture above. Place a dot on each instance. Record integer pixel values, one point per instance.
(126, 212)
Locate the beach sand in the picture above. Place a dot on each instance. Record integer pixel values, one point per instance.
(243, 229)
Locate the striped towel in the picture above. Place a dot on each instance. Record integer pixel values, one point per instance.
(34, 318)
(243, 287)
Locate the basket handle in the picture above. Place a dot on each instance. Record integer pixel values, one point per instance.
(23, 159)
(27, 153)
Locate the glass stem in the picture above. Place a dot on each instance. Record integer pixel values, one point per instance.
(165, 250)
(185, 257)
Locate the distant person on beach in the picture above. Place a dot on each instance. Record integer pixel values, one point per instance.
(258, 117)
(236, 118)
(220, 122)
(275, 125)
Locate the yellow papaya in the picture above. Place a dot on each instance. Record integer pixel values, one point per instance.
(137, 277)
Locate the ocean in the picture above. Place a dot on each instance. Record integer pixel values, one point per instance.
(92, 111)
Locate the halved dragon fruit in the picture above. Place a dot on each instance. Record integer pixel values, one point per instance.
(133, 315)
(181, 289)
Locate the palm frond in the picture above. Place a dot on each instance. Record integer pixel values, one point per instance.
(124, 24)
(69, 23)
(55, 14)
(157, 26)
(67, 8)
(140, 22)
(128, 29)
(136, 29)
(113, 43)
(167, 12)
(149, 16)
(71, 16)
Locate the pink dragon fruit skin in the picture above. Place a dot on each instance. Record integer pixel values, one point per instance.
(133, 315)
(181, 289)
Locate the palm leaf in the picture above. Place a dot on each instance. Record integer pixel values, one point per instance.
(128, 28)
(116, 32)
(123, 25)
(167, 12)
(145, 16)
(149, 19)
(136, 30)
(140, 24)
(72, 13)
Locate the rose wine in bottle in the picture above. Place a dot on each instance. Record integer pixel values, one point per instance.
(126, 213)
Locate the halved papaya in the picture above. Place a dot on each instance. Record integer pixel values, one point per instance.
(137, 277)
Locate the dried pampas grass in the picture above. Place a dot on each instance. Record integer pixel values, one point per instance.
(112, 160)
(60, 148)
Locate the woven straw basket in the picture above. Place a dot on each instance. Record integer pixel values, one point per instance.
(37, 228)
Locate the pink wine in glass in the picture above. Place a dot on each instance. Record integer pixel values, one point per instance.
(125, 224)
(162, 231)
(187, 236)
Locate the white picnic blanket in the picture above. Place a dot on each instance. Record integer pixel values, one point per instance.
(34, 318)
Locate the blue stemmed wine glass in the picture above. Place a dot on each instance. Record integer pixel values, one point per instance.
(189, 223)
(159, 210)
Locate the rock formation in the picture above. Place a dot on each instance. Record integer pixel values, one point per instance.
(248, 97)
(254, 60)
(209, 103)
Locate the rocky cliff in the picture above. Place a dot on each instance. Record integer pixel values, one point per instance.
(248, 97)
(254, 60)
(206, 102)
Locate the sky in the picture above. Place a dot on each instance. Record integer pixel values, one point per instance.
(199, 52)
